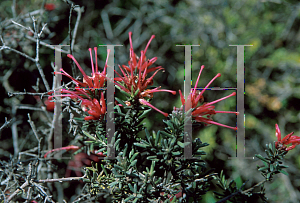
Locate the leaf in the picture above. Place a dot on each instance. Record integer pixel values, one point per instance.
(157, 138)
(152, 167)
(88, 135)
(152, 157)
(140, 145)
(121, 102)
(134, 156)
(136, 92)
(135, 188)
(127, 94)
(182, 145)
(261, 158)
(133, 163)
(166, 134)
(284, 172)
(176, 153)
(144, 113)
(263, 168)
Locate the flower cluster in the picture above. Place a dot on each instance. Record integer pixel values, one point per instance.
(134, 81)
(288, 139)
(88, 90)
(134, 84)
(204, 112)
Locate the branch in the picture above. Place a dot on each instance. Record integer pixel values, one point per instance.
(250, 189)
(5, 124)
(47, 45)
(61, 179)
(17, 191)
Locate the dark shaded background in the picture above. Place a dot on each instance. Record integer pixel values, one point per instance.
(272, 93)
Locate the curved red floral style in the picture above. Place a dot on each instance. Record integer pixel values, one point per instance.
(204, 112)
(134, 80)
(89, 85)
(288, 139)
(89, 90)
(93, 107)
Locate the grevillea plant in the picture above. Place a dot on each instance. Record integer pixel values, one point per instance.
(149, 167)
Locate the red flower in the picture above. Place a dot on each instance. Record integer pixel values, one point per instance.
(134, 81)
(89, 84)
(49, 104)
(204, 112)
(87, 91)
(93, 107)
(288, 139)
(49, 7)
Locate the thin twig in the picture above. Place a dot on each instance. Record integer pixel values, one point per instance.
(61, 179)
(241, 192)
(47, 45)
(33, 127)
(10, 94)
(78, 10)
(250, 189)
(14, 50)
(74, 70)
(5, 124)
(14, 130)
(17, 191)
(13, 9)
(22, 26)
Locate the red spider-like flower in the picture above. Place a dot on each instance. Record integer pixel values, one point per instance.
(134, 81)
(204, 112)
(87, 91)
(89, 84)
(95, 108)
(288, 139)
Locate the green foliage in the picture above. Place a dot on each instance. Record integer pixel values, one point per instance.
(272, 163)
(149, 168)
(233, 193)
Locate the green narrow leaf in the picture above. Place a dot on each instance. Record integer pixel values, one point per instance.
(140, 145)
(88, 135)
(284, 172)
(144, 113)
(120, 102)
(152, 167)
(271, 167)
(166, 134)
(135, 188)
(153, 134)
(136, 92)
(134, 156)
(131, 152)
(270, 146)
(152, 157)
(263, 168)
(119, 88)
(182, 144)
(157, 138)
(133, 163)
(130, 187)
(261, 158)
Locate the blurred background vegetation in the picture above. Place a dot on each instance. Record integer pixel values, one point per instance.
(272, 74)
